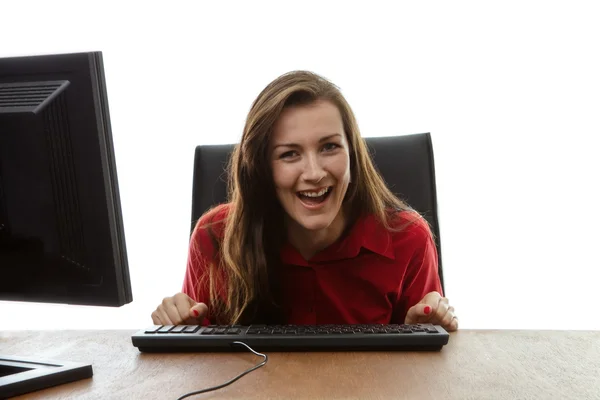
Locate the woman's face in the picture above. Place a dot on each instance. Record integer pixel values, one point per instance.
(311, 164)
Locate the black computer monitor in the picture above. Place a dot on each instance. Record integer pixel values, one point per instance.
(61, 228)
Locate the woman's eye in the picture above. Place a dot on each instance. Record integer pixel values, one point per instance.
(287, 154)
(330, 146)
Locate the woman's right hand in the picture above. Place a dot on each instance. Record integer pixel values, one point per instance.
(179, 310)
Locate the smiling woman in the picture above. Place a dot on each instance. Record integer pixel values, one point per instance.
(311, 234)
(311, 172)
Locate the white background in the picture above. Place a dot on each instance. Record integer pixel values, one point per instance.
(509, 90)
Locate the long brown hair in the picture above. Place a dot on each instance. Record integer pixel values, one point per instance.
(254, 230)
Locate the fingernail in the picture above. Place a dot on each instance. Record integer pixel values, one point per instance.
(196, 313)
(427, 309)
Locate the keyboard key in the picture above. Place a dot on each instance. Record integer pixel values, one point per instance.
(191, 328)
(165, 329)
(153, 329)
(177, 329)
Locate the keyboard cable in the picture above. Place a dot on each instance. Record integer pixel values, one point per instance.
(210, 389)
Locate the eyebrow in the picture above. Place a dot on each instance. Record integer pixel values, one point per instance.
(323, 139)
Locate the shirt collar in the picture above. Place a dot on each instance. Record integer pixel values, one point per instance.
(367, 233)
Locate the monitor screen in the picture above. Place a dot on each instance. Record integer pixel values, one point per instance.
(61, 229)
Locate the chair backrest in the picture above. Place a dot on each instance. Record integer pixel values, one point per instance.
(406, 164)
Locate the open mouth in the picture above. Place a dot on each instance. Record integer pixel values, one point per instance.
(315, 198)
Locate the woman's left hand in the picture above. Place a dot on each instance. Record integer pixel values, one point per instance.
(433, 309)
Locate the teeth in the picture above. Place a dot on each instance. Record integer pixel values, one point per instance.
(315, 194)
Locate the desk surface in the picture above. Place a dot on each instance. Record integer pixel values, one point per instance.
(474, 365)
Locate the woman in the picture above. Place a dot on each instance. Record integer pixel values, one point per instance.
(311, 234)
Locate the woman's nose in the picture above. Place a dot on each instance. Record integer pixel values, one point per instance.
(313, 170)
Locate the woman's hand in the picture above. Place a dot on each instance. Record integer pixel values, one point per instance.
(433, 309)
(179, 310)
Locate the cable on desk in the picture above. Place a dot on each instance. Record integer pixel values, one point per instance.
(210, 389)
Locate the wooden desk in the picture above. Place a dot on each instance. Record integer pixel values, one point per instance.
(474, 365)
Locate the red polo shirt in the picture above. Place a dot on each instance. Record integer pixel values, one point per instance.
(370, 275)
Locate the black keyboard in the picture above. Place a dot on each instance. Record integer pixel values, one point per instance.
(213, 338)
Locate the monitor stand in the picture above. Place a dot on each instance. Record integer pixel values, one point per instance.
(21, 375)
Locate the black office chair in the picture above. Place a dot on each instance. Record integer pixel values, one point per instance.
(405, 162)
